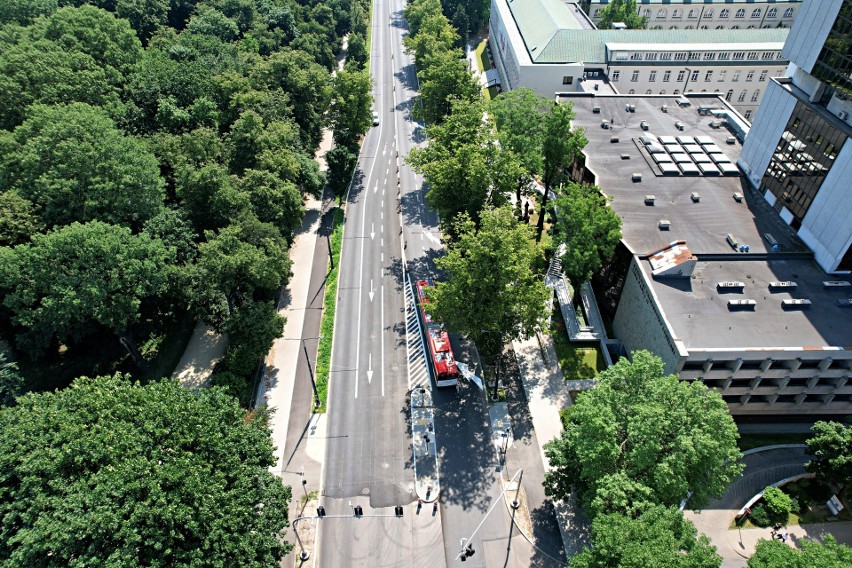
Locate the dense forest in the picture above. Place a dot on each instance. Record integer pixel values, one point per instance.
(154, 157)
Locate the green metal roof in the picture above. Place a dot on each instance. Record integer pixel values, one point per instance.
(552, 34)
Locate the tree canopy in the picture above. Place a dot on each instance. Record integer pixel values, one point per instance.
(494, 290)
(831, 450)
(113, 473)
(777, 554)
(589, 228)
(623, 11)
(664, 440)
(659, 536)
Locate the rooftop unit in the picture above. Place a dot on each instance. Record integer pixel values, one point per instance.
(837, 284)
(730, 284)
(744, 304)
(782, 284)
(795, 303)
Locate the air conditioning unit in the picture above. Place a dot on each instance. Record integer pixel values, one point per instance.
(843, 115)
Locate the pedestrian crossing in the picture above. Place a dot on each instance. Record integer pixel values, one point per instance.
(418, 368)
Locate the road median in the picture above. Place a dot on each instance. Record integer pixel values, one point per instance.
(328, 309)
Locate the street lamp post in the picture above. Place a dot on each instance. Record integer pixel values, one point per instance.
(688, 73)
(328, 241)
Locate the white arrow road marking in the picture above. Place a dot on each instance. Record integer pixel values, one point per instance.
(370, 370)
(371, 289)
(432, 237)
(372, 231)
(376, 187)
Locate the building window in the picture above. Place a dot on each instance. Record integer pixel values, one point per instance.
(680, 56)
(680, 75)
(648, 92)
(631, 92)
(694, 76)
(748, 114)
(692, 14)
(724, 13)
(675, 13)
(661, 14)
(742, 97)
(708, 13)
(666, 76)
(652, 77)
(708, 76)
(615, 75)
(665, 56)
(735, 27)
(730, 95)
(688, 28)
(763, 75)
(739, 55)
(650, 57)
(736, 76)
(740, 13)
(567, 79)
(596, 14)
(646, 14)
(677, 91)
(662, 91)
(724, 56)
(635, 76)
(755, 13)
(709, 56)
(749, 76)
(752, 55)
(772, 12)
(755, 96)
(636, 57)
(788, 13)
(722, 74)
(768, 56)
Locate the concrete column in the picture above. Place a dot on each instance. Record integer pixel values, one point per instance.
(800, 398)
(824, 364)
(783, 382)
(840, 383)
(797, 362)
(812, 382)
(708, 364)
(726, 384)
(744, 399)
(737, 365)
(755, 382)
(772, 399)
(766, 364)
(827, 398)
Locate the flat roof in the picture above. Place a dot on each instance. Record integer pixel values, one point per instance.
(698, 313)
(703, 224)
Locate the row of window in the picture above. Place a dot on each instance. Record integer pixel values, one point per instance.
(766, 27)
(708, 13)
(615, 76)
(705, 56)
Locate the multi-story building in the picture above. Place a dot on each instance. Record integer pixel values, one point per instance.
(708, 14)
(797, 153)
(707, 275)
(551, 47)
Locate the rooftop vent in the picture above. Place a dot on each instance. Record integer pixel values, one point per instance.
(605, 124)
(730, 284)
(783, 284)
(731, 140)
(695, 196)
(649, 199)
(613, 139)
(679, 125)
(664, 108)
(837, 284)
(741, 304)
(644, 125)
(625, 156)
(596, 109)
(732, 240)
(636, 176)
(738, 197)
(795, 303)
(845, 302)
(665, 224)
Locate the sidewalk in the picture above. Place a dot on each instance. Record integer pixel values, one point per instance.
(426, 480)
(204, 350)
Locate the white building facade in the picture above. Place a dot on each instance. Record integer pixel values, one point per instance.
(709, 14)
(548, 46)
(797, 152)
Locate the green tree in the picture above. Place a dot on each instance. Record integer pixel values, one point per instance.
(25, 11)
(11, 381)
(659, 536)
(110, 41)
(777, 503)
(416, 11)
(520, 117)
(43, 72)
(113, 473)
(211, 196)
(623, 11)
(831, 450)
(350, 115)
(462, 25)
(356, 51)
(776, 554)
(274, 201)
(240, 260)
(561, 144)
(62, 284)
(465, 168)
(145, 16)
(75, 165)
(673, 437)
(494, 291)
(445, 80)
(18, 219)
(341, 163)
(251, 331)
(589, 228)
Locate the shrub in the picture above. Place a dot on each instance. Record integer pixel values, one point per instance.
(760, 516)
(778, 503)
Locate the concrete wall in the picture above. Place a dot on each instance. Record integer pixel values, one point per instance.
(827, 227)
(639, 324)
(767, 127)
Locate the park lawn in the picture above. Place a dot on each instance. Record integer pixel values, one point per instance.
(482, 58)
(328, 309)
(576, 362)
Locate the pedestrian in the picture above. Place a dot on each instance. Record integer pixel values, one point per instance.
(784, 537)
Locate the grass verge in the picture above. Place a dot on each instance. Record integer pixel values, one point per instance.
(482, 56)
(370, 38)
(749, 441)
(329, 305)
(576, 362)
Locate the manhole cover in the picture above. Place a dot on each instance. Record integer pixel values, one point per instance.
(365, 491)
